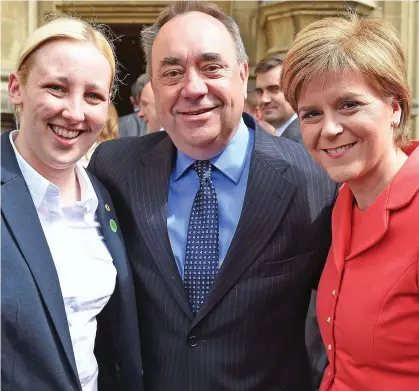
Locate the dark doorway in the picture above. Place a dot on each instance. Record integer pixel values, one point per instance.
(131, 62)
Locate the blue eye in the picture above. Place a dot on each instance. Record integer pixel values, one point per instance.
(91, 95)
(349, 104)
(55, 88)
(310, 114)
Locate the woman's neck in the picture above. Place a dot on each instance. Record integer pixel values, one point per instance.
(65, 179)
(368, 187)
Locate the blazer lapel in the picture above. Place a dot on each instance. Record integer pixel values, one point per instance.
(110, 228)
(148, 187)
(21, 216)
(397, 194)
(268, 195)
(341, 226)
(343, 250)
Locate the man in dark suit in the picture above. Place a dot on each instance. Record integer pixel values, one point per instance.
(36, 346)
(275, 109)
(213, 213)
(132, 124)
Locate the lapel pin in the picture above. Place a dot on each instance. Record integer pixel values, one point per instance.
(113, 225)
(107, 207)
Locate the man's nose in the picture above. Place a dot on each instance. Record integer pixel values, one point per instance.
(265, 97)
(194, 87)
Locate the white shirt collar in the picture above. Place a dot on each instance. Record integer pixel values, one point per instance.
(38, 185)
(282, 128)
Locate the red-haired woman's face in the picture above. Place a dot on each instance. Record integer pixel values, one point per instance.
(347, 126)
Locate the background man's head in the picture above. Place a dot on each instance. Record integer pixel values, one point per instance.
(136, 90)
(275, 109)
(148, 109)
(198, 67)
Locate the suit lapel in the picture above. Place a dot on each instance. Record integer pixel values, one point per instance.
(149, 187)
(293, 132)
(21, 216)
(106, 216)
(268, 195)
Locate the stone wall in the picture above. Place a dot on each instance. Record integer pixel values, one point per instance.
(266, 27)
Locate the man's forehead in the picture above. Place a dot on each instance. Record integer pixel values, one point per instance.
(192, 28)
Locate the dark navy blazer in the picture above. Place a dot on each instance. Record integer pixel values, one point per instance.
(249, 333)
(36, 348)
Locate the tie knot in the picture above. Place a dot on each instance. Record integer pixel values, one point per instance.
(203, 169)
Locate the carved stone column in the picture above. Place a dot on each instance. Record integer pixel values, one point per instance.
(282, 20)
(404, 15)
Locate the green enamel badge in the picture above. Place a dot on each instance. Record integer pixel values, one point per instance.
(113, 225)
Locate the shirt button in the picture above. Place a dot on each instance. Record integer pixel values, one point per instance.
(329, 347)
(333, 292)
(328, 320)
(328, 373)
(193, 341)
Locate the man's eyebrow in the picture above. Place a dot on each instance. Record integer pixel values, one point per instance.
(211, 57)
(170, 60)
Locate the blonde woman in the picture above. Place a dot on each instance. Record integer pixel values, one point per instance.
(346, 78)
(67, 303)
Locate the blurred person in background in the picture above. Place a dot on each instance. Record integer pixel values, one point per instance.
(132, 124)
(109, 132)
(276, 111)
(346, 78)
(251, 107)
(68, 315)
(148, 109)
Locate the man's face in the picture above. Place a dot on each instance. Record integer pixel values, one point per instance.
(148, 109)
(198, 84)
(275, 109)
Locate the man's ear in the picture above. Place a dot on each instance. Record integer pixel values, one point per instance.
(244, 76)
(15, 90)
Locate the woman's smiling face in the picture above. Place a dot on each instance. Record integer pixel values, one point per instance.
(64, 104)
(347, 126)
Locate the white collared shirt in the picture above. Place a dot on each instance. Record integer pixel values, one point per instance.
(282, 128)
(84, 265)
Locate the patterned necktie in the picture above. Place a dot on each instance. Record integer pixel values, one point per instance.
(201, 260)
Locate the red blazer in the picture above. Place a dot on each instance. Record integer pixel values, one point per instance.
(368, 296)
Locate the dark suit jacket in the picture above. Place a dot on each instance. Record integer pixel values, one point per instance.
(249, 335)
(36, 349)
(316, 350)
(293, 132)
(131, 125)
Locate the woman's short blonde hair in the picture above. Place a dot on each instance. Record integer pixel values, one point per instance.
(367, 45)
(65, 27)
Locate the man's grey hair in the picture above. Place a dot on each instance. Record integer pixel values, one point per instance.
(138, 86)
(148, 34)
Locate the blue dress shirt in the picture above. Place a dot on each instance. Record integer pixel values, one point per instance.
(229, 176)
